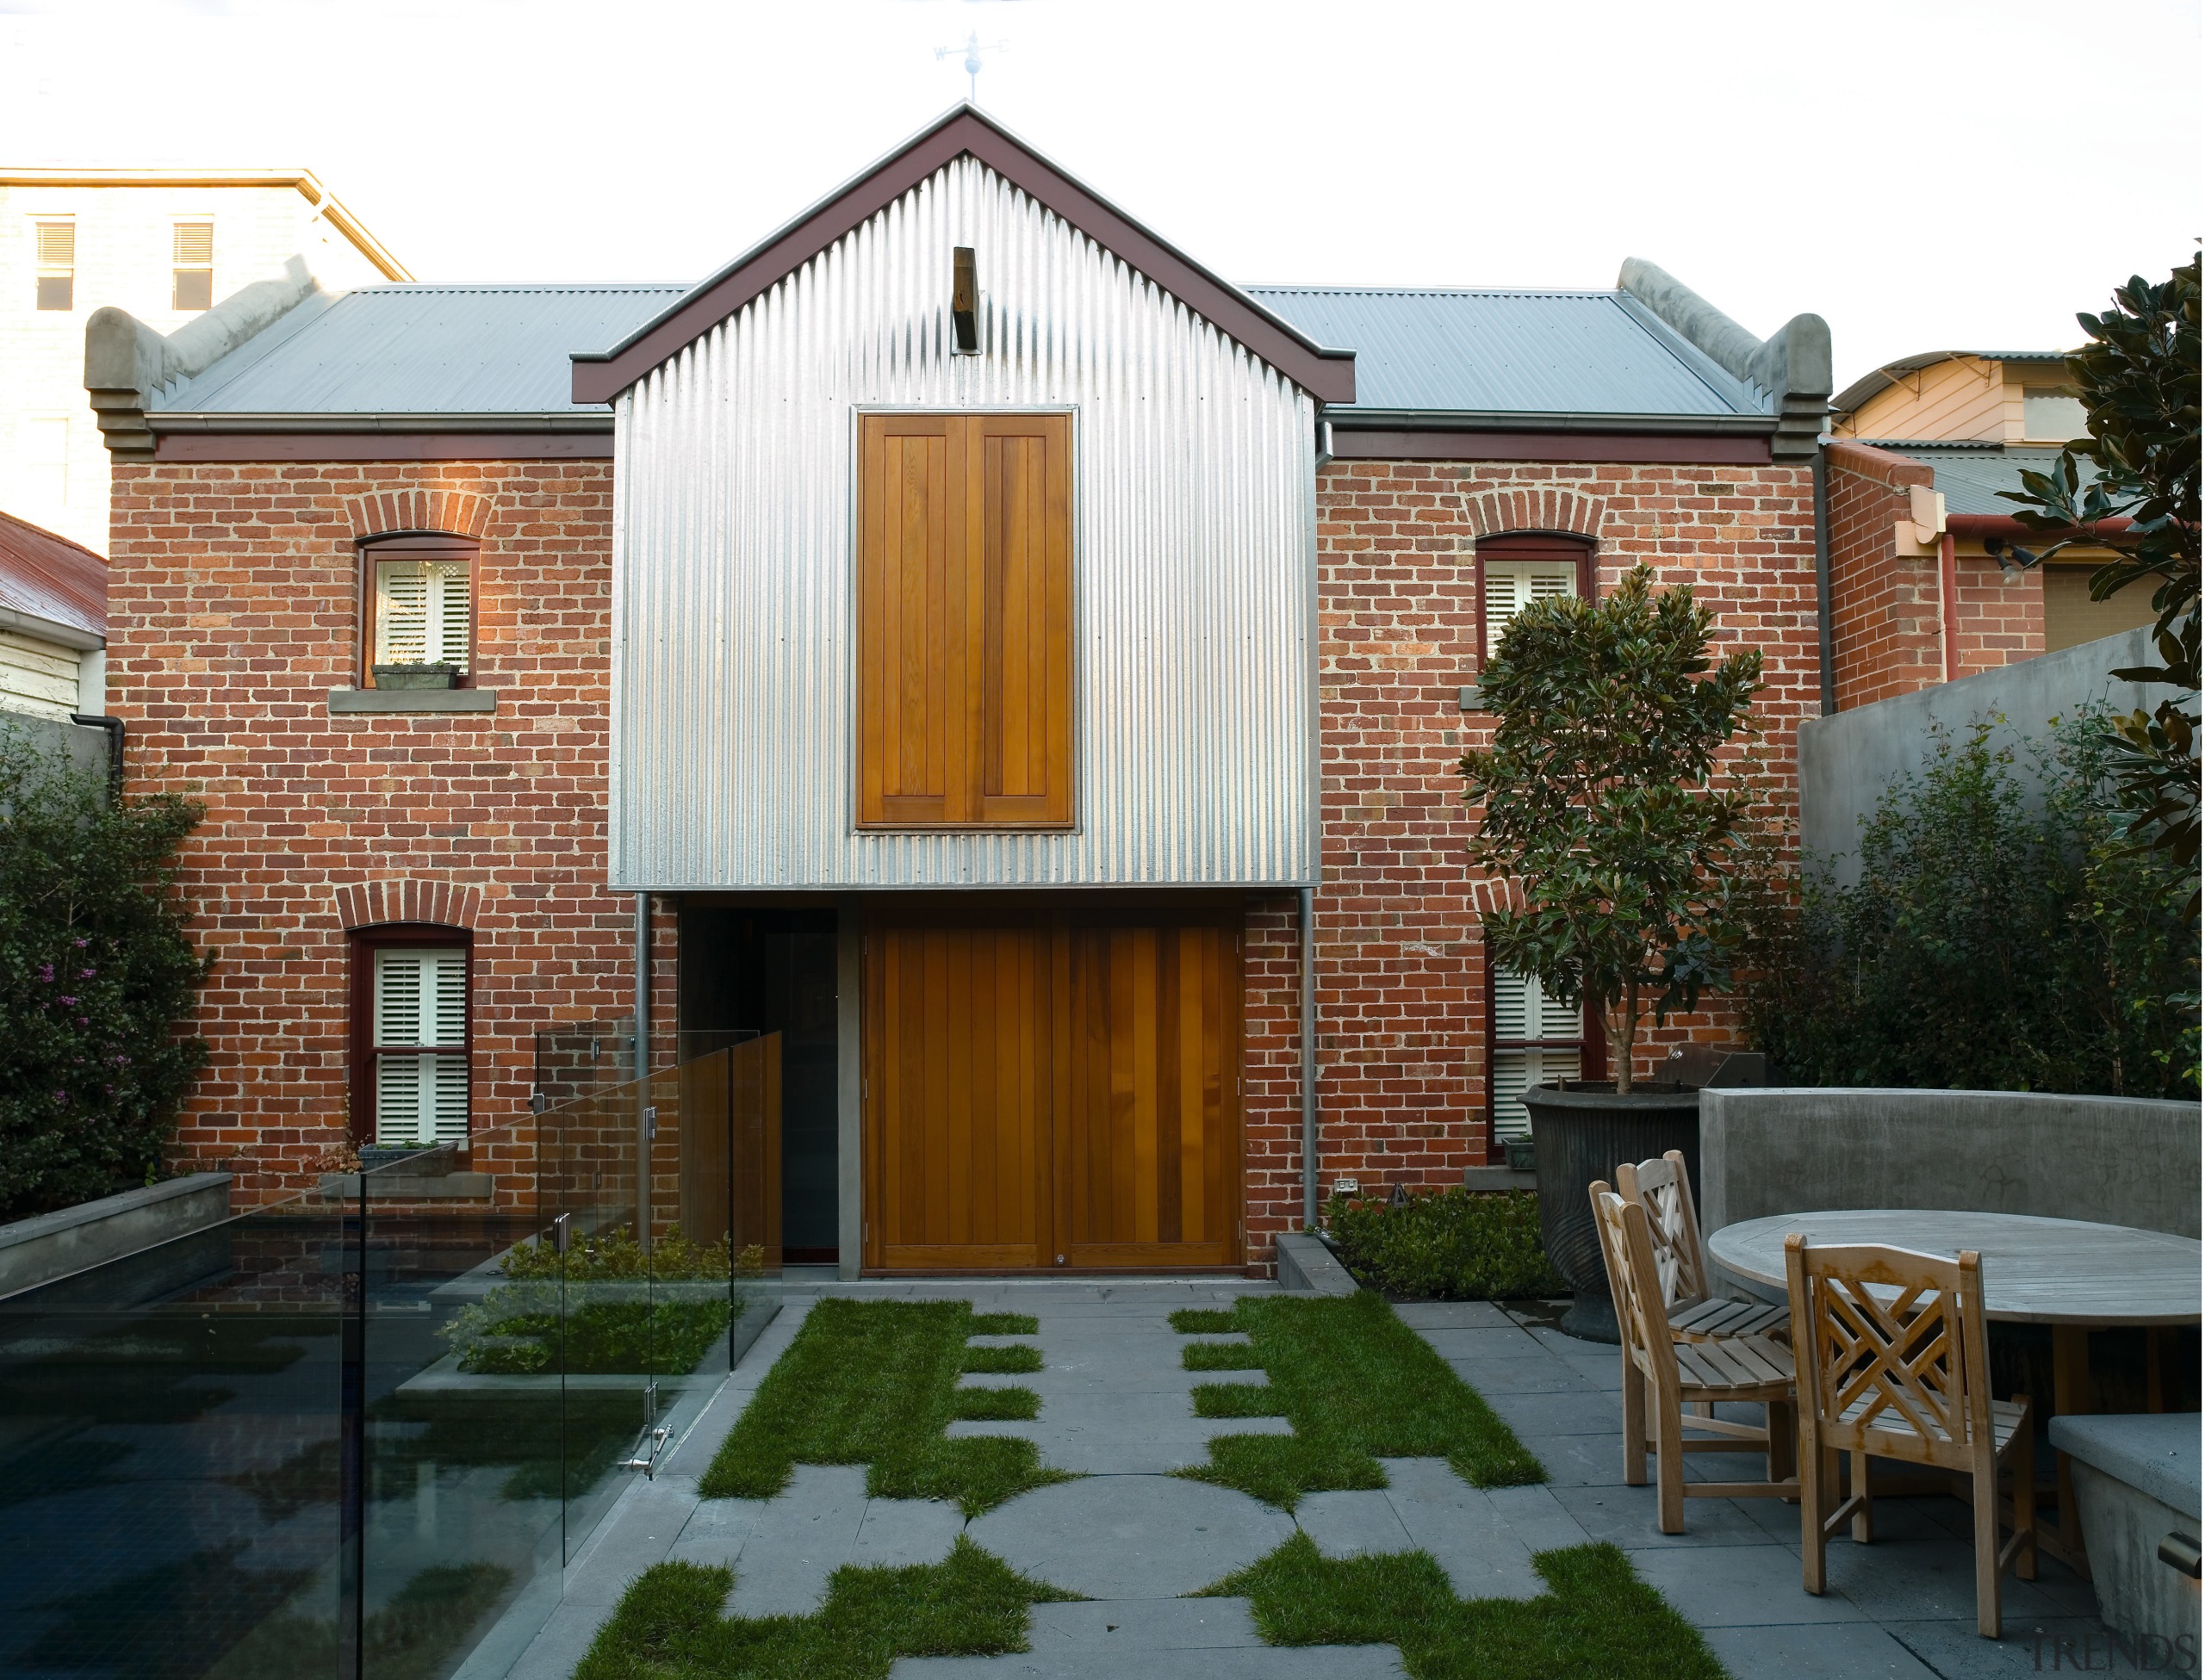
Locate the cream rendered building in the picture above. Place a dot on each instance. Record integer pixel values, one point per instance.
(164, 245)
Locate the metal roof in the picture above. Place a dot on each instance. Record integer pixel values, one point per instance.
(421, 350)
(1970, 476)
(49, 577)
(1511, 352)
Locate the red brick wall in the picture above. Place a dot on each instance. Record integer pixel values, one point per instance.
(1885, 634)
(233, 611)
(1402, 980)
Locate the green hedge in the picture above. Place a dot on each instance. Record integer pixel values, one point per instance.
(1448, 1246)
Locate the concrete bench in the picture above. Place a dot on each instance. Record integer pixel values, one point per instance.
(2136, 1483)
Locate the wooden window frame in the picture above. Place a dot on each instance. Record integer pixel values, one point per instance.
(45, 271)
(425, 546)
(1592, 1048)
(364, 942)
(967, 756)
(1548, 546)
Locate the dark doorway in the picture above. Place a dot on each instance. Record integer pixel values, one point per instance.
(772, 970)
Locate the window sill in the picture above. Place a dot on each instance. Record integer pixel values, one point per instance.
(412, 699)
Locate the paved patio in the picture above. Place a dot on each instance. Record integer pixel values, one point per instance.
(1115, 1406)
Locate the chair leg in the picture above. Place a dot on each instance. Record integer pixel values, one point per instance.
(1814, 1466)
(1864, 1514)
(1634, 1423)
(1783, 1440)
(1669, 1469)
(2024, 1457)
(1988, 1620)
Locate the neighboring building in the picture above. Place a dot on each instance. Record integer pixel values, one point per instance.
(1924, 449)
(53, 624)
(975, 694)
(162, 244)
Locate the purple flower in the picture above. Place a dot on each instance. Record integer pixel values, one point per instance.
(81, 944)
(66, 1003)
(86, 974)
(46, 974)
(61, 1096)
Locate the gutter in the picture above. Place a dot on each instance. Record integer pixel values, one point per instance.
(51, 630)
(2005, 527)
(1350, 419)
(1825, 640)
(555, 420)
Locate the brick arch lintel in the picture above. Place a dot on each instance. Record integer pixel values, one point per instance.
(386, 513)
(1518, 512)
(407, 899)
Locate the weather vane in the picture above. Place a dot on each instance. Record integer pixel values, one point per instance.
(972, 51)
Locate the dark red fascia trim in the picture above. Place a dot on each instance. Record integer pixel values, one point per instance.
(1328, 376)
(1598, 448)
(1975, 526)
(383, 446)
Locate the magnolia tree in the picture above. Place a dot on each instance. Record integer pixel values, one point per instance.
(1599, 802)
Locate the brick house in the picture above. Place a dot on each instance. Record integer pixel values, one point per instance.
(1922, 452)
(964, 635)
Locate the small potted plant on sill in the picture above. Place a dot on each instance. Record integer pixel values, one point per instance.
(1598, 803)
(417, 676)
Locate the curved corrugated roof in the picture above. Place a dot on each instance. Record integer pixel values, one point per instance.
(50, 577)
(1511, 352)
(422, 350)
(1970, 476)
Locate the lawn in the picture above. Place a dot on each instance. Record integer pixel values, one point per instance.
(669, 1624)
(1597, 1617)
(1357, 1384)
(875, 1383)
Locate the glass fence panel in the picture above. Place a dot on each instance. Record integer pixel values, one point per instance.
(172, 1457)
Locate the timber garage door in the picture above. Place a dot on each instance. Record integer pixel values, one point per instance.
(1052, 1090)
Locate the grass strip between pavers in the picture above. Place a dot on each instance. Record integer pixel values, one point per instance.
(875, 1383)
(1596, 1618)
(669, 1625)
(1357, 1384)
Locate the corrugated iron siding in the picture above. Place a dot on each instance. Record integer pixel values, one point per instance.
(732, 760)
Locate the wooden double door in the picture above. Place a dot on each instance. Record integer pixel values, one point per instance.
(1050, 1090)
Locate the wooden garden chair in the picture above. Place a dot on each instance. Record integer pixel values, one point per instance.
(1894, 1362)
(1662, 1376)
(1664, 1189)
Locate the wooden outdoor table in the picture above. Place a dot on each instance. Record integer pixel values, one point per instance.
(2069, 1273)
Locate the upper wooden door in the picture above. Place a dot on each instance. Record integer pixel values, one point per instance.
(1046, 1090)
(963, 663)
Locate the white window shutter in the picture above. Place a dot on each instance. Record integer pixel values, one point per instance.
(450, 616)
(1513, 584)
(401, 613)
(420, 999)
(1513, 1016)
(1501, 605)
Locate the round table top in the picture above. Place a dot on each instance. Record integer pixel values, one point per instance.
(2035, 1270)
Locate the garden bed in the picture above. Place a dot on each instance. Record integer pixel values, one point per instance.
(1448, 1245)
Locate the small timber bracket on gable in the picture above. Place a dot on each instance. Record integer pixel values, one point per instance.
(1791, 370)
(127, 364)
(1327, 374)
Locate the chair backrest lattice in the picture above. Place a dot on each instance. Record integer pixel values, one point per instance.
(1663, 1188)
(1634, 1280)
(1893, 1355)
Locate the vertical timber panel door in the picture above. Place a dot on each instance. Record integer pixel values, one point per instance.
(1148, 1136)
(957, 1096)
(1018, 507)
(916, 710)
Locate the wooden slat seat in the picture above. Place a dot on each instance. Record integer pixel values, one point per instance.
(1663, 1188)
(1697, 1375)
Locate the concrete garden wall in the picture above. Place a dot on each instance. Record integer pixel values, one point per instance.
(2119, 1161)
(53, 1245)
(1847, 760)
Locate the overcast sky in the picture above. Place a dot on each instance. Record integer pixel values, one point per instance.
(1936, 174)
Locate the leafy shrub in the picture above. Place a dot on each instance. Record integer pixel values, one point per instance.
(95, 979)
(1993, 942)
(625, 1311)
(1450, 1246)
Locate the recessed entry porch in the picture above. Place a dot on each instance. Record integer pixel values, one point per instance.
(991, 1082)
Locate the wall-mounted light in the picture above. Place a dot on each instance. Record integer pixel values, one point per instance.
(965, 302)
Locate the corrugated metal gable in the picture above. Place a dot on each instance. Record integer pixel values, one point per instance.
(1512, 352)
(423, 350)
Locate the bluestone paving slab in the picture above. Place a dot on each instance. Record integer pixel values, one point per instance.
(1905, 1580)
(1589, 1412)
(1537, 1517)
(1493, 1377)
(1955, 1651)
(1630, 1518)
(1316, 1661)
(1468, 1535)
(1452, 1315)
(1143, 1624)
(803, 1536)
(898, 1534)
(1860, 1651)
(1579, 1460)
(1737, 1586)
(1122, 1536)
(557, 1652)
(1352, 1523)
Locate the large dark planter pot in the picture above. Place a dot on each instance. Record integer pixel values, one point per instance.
(1579, 1131)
